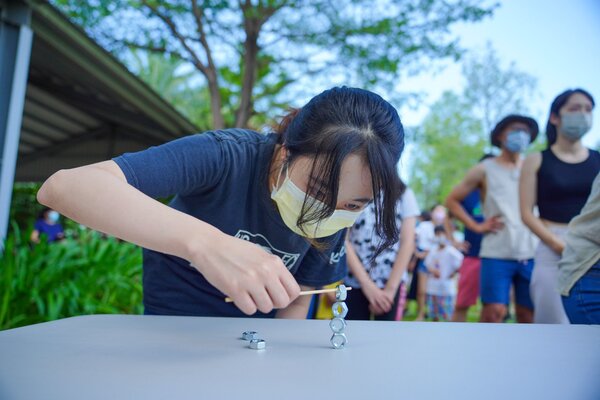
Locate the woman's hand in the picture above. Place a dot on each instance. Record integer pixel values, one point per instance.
(253, 278)
(490, 225)
(380, 301)
(558, 245)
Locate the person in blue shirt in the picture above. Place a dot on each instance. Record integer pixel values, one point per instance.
(47, 226)
(254, 217)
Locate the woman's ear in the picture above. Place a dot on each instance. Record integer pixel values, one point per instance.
(554, 119)
(283, 153)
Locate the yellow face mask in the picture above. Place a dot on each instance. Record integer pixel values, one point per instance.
(290, 198)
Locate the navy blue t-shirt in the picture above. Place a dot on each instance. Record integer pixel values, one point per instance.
(220, 177)
(53, 232)
(472, 205)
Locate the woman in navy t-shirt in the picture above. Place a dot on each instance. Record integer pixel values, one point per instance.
(254, 217)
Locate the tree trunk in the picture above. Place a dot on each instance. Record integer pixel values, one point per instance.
(250, 59)
(215, 99)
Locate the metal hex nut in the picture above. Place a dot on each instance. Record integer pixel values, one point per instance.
(249, 335)
(338, 340)
(339, 309)
(257, 344)
(341, 293)
(337, 325)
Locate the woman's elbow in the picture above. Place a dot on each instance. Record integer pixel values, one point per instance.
(47, 193)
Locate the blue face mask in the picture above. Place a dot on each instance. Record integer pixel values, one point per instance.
(53, 216)
(517, 141)
(575, 125)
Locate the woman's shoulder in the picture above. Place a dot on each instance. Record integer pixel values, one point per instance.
(237, 135)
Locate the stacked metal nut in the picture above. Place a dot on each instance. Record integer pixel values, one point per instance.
(254, 342)
(338, 323)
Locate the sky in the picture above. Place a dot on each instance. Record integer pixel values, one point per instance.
(556, 41)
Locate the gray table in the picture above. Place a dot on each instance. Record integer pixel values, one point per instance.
(156, 357)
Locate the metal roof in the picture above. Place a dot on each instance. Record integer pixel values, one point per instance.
(82, 105)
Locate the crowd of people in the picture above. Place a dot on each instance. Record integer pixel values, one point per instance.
(516, 212)
(322, 196)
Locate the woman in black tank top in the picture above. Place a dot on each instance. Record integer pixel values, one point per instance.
(558, 180)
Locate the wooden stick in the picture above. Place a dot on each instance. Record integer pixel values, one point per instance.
(306, 292)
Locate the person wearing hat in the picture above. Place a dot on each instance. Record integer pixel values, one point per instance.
(508, 246)
(559, 181)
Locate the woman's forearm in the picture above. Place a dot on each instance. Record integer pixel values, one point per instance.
(400, 265)
(356, 267)
(405, 252)
(538, 228)
(99, 198)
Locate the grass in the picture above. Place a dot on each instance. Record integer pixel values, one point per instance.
(86, 273)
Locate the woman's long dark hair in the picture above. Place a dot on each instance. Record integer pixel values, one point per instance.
(335, 124)
(557, 104)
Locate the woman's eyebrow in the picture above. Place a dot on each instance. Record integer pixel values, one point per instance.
(320, 183)
(364, 200)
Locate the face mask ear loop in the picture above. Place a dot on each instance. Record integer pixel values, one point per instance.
(284, 164)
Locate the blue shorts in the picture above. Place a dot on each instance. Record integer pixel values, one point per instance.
(496, 277)
(421, 267)
(421, 264)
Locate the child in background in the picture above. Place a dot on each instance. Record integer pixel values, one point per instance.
(442, 262)
(47, 225)
(425, 240)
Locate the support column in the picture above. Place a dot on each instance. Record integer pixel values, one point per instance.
(15, 50)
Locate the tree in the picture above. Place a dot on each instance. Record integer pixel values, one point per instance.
(456, 132)
(248, 52)
(493, 91)
(173, 79)
(449, 143)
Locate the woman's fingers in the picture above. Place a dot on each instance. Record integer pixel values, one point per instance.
(244, 302)
(253, 278)
(290, 285)
(262, 300)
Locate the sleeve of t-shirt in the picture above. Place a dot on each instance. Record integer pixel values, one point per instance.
(182, 166)
(320, 268)
(409, 206)
(457, 258)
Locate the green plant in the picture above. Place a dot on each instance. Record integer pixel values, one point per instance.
(86, 274)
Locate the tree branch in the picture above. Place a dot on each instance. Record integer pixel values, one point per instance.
(197, 11)
(169, 22)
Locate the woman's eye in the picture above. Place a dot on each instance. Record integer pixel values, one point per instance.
(352, 207)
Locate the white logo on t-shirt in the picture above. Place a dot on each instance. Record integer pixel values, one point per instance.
(289, 259)
(336, 257)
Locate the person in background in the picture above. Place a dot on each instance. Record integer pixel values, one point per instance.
(442, 262)
(425, 240)
(438, 215)
(508, 246)
(47, 225)
(468, 283)
(378, 279)
(558, 181)
(579, 267)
